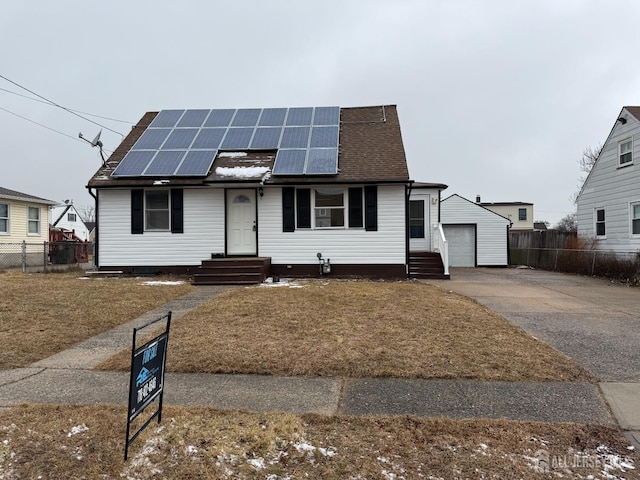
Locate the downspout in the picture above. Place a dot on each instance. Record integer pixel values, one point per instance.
(96, 236)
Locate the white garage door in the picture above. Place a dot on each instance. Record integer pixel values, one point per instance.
(462, 245)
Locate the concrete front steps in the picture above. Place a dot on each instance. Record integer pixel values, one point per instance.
(232, 271)
(426, 265)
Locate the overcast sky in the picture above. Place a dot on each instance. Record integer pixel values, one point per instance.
(497, 97)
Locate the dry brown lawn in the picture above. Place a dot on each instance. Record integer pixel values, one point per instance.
(357, 329)
(42, 314)
(55, 442)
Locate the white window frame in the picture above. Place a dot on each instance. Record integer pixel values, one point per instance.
(325, 208)
(32, 221)
(148, 210)
(525, 214)
(632, 218)
(8, 222)
(630, 152)
(595, 222)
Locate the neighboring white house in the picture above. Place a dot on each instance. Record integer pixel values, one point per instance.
(519, 213)
(477, 236)
(67, 217)
(287, 185)
(609, 201)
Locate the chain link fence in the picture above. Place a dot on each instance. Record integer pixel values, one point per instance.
(45, 256)
(600, 263)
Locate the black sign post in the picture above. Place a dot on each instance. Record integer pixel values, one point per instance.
(147, 377)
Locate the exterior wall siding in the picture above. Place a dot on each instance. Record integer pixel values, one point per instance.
(387, 245)
(18, 223)
(491, 229)
(203, 231)
(613, 188)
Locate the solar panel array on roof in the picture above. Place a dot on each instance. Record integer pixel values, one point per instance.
(186, 142)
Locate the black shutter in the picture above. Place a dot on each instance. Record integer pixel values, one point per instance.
(355, 207)
(177, 211)
(303, 198)
(137, 211)
(371, 207)
(288, 209)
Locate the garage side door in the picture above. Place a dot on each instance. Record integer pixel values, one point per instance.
(462, 245)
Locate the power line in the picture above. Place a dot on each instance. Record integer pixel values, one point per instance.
(60, 106)
(71, 109)
(47, 127)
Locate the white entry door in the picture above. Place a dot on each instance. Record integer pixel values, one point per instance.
(419, 228)
(241, 222)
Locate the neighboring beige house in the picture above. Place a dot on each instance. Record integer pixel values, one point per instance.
(23, 217)
(520, 213)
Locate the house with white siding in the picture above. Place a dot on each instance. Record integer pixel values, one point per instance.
(234, 195)
(477, 236)
(609, 201)
(67, 218)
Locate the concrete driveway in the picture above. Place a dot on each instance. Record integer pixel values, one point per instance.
(594, 321)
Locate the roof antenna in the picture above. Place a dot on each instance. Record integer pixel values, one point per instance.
(96, 142)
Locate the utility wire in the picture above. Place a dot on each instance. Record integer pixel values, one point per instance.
(48, 128)
(60, 106)
(71, 109)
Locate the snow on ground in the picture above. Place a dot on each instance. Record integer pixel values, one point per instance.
(162, 282)
(283, 282)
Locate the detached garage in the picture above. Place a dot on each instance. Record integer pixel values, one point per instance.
(477, 237)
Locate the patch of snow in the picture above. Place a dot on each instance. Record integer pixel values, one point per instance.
(77, 429)
(232, 154)
(242, 172)
(191, 450)
(161, 182)
(162, 282)
(308, 448)
(257, 463)
(284, 282)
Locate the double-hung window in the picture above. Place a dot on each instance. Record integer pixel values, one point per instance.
(635, 218)
(329, 207)
(601, 230)
(71, 217)
(522, 214)
(4, 218)
(33, 221)
(156, 210)
(625, 152)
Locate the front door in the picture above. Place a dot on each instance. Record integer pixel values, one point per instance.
(242, 232)
(419, 230)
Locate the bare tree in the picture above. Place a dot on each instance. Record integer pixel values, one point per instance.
(568, 223)
(586, 162)
(88, 213)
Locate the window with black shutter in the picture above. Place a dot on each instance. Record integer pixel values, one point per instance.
(177, 209)
(137, 211)
(303, 207)
(371, 207)
(288, 209)
(355, 208)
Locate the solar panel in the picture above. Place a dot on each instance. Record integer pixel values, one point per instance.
(322, 161)
(219, 118)
(295, 137)
(247, 117)
(165, 163)
(180, 139)
(267, 138)
(326, 116)
(299, 116)
(324, 137)
(237, 138)
(193, 118)
(152, 139)
(134, 163)
(197, 162)
(167, 118)
(185, 142)
(290, 162)
(209, 138)
(272, 117)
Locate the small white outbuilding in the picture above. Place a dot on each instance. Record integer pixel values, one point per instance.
(477, 237)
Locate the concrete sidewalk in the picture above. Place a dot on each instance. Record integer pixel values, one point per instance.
(67, 378)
